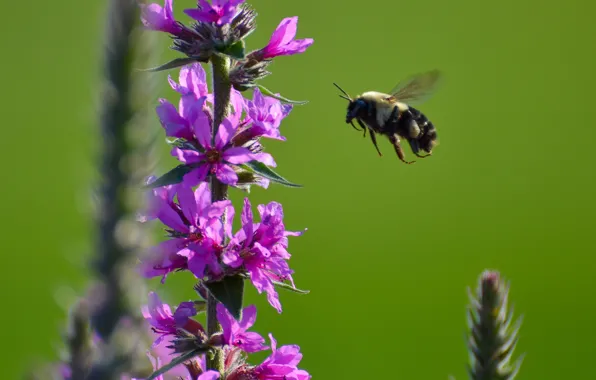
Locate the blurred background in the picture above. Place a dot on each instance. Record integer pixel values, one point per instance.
(390, 248)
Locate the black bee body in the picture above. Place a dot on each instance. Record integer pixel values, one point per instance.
(392, 115)
(421, 135)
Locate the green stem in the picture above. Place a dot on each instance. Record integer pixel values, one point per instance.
(221, 98)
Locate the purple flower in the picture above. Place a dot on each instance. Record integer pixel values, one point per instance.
(281, 364)
(155, 17)
(261, 249)
(195, 229)
(266, 114)
(162, 260)
(219, 12)
(282, 41)
(209, 375)
(217, 158)
(192, 86)
(163, 322)
(235, 333)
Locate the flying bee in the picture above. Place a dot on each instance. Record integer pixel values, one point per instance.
(392, 114)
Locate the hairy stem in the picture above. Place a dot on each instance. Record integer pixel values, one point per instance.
(222, 88)
(127, 156)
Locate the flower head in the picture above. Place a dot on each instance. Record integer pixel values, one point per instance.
(217, 158)
(266, 114)
(235, 333)
(155, 17)
(160, 317)
(260, 248)
(219, 12)
(195, 229)
(282, 41)
(281, 364)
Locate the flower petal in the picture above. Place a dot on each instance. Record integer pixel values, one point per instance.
(285, 31)
(209, 375)
(171, 218)
(224, 134)
(188, 204)
(174, 124)
(195, 176)
(262, 283)
(249, 316)
(202, 130)
(232, 258)
(226, 174)
(265, 158)
(187, 156)
(226, 321)
(238, 155)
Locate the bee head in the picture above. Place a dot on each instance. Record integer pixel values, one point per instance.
(354, 108)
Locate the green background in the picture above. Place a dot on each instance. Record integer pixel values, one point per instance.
(390, 248)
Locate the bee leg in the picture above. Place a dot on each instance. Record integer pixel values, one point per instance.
(416, 148)
(363, 127)
(374, 140)
(353, 126)
(372, 137)
(400, 152)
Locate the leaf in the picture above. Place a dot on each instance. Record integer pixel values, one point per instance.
(229, 292)
(172, 177)
(200, 306)
(172, 64)
(235, 51)
(279, 97)
(177, 361)
(289, 287)
(265, 171)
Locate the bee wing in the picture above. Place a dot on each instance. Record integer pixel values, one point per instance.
(418, 88)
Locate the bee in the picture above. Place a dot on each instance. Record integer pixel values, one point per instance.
(392, 114)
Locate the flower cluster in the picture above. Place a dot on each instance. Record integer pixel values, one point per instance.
(196, 240)
(220, 27)
(178, 328)
(218, 150)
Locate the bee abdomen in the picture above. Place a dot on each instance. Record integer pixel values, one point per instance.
(427, 139)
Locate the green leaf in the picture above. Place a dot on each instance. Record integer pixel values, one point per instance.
(172, 177)
(229, 292)
(289, 287)
(172, 64)
(265, 171)
(200, 306)
(177, 361)
(235, 51)
(279, 97)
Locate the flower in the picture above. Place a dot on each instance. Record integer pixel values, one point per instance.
(192, 86)
(196, 232)
(155, 17)
(209, 375)
(219, 12)
(261, 249)
(179, 371)
(216, 158)
(281, 364)
(282, 41)
(266, 114)
(163, 322)
(235, 333)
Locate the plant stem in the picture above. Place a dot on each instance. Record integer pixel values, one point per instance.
(221, 98)
(127, 156)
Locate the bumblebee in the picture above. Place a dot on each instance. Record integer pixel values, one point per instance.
(392, 114)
